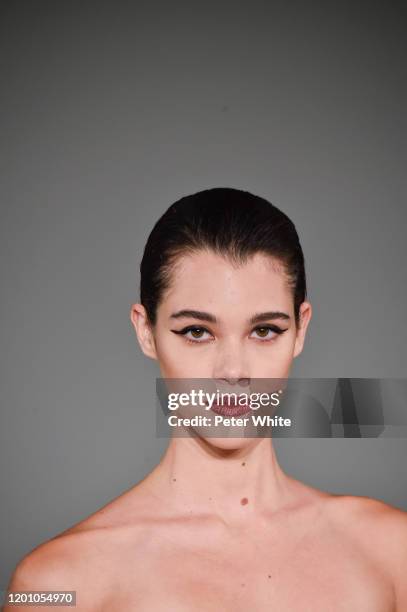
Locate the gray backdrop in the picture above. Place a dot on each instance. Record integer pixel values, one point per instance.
(112, 111)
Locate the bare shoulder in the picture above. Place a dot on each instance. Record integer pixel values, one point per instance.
(87, 557)
(372, 516)
(64, 563)
(380, 529)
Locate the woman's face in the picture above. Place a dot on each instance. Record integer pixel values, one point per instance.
(225, 323)
(218, 340)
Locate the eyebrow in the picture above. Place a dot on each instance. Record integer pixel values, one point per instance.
(210, 318)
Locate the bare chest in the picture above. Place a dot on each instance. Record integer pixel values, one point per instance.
(311, 574)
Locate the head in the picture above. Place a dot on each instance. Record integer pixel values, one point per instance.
(222, 289)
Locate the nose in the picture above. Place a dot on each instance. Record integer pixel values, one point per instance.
(239, 382)
(231, 365)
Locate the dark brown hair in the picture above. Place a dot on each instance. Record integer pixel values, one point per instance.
(230, 222)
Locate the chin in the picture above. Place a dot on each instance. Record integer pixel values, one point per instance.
(228, 443)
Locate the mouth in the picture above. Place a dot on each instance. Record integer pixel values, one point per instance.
(230, 409)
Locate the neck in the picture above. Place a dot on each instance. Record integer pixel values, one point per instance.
(197, 478)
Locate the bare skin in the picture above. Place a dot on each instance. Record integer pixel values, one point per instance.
(315, 552)
(217, 525)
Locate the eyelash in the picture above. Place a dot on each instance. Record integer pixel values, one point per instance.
(183, 332)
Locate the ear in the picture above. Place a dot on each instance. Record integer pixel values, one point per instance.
(304, 319)
(141, 324)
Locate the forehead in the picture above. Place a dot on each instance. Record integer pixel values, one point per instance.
(205, 279)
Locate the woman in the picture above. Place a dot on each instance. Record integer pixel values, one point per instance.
(217, 525)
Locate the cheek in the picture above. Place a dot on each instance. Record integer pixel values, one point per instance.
(175, 358)
(274, 361)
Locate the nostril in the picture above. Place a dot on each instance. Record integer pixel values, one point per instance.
(240, 381)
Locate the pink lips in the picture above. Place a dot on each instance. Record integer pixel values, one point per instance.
(230, 410)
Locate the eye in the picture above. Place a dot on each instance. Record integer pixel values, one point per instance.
(197, 334)
(268, 332)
